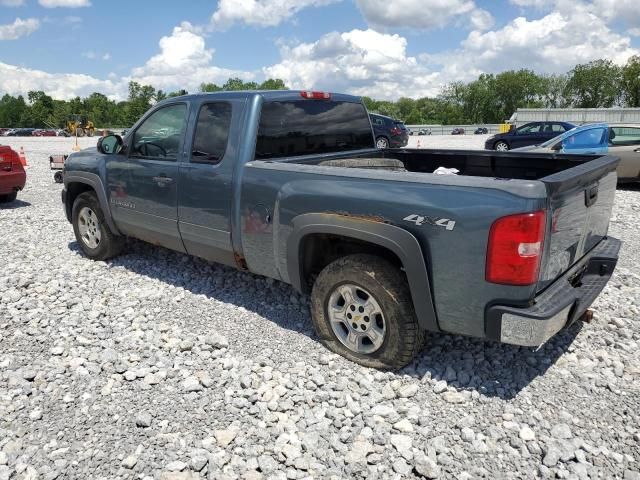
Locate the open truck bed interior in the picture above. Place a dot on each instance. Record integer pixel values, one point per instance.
(512, 165)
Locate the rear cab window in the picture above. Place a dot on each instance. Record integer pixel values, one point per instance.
(212, 133)
(307, 127)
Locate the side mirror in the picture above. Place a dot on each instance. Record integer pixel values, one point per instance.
(557, 147)
(110, 144)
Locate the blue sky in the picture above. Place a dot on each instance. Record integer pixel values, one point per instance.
(380, 48)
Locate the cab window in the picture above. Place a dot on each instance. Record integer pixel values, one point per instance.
(212, 133)
(528, 129)
(158, 137)
(624, 136)
(596, 137)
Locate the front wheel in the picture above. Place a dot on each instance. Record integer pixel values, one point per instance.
(382, 142)
(92, 233)
(502, 146)
(361, 309)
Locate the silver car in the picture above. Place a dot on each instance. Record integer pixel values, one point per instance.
(621, 140)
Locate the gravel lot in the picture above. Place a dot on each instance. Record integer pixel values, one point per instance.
(158, 365)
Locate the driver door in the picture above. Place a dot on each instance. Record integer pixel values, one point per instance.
(155, 148)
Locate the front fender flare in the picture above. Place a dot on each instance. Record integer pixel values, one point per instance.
(95, 182)
(395, 239)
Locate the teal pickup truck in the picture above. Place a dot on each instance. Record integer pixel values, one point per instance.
(290, 185)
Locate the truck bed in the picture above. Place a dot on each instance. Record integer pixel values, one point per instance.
(522, 166)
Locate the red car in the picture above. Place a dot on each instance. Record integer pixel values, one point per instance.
(44, 133)
(12, 174)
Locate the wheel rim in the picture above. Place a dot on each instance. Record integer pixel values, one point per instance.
(502, 147)
(381, 143)
(356, 319)
(89, 227)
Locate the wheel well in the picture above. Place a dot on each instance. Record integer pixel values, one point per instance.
(319, 250)
(73, 190)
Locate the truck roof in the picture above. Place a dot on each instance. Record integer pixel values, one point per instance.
(269, 95)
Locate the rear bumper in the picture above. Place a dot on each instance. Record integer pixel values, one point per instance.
(559, 305)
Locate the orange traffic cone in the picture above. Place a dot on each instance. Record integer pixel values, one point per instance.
(23, 157)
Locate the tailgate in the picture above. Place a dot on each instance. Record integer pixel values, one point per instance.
(580, 203)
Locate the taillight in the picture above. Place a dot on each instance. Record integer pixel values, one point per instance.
(315, 95)
(515, 249)
(395, 131)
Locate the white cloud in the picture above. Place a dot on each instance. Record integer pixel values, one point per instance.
(554, 43)
(12, 3)
(481, 20)
(421, 14)
(64, 3)
(19, 28)
(91, 55)
(183, 62)
(19, 80)
(262, 13)
(362, 62)
(106, 56)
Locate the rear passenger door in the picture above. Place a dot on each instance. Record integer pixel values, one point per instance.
(206, 182)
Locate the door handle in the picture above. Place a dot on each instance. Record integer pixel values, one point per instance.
(163, 180)
(6, 169)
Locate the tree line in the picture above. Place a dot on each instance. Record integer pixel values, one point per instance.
(491, 98)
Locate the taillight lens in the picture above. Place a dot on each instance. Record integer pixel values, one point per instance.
(395, 131)
(315, 95)
(515, 249)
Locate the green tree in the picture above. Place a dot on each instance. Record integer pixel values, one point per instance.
(595, 84)
(12, 110)
(273, 84)
(554, 88)
(631, 81)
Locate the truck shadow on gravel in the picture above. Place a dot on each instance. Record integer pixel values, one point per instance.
(489, 368)
(14, 205)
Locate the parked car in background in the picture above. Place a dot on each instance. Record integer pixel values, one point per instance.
(620, 140)
(44, 133)
(481, 131)
(12, 174)
(424, 131)
(389, 133)
(457, 131)
(22, 132)
(3, 131)
(533, 133)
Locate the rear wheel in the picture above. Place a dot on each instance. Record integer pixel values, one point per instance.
(58, 177)
(9, 197)
(362, 310)
(502, 146)
(382, 142)
(91, 230)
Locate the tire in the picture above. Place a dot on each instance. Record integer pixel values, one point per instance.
(9, 197)
(368, 163)
(397, 337)
(501, 146)
(58, 177)
(382, 142)
(92, 233)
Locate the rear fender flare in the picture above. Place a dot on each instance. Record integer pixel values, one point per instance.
(95, 182)
(402, 243)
